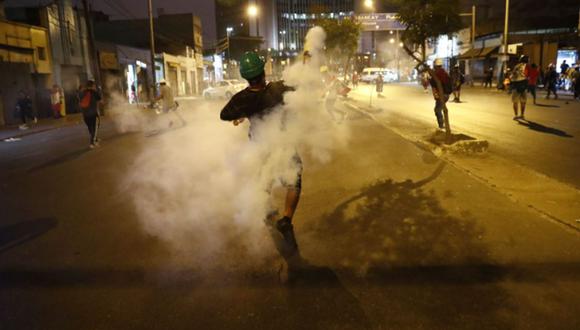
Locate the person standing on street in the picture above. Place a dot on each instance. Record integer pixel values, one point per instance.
(24, 109)
(90, 97)
(255, 103)
(355, 79)
(440, 100)
(56, 101)
(519, 86)
(380, 82)
(576, 82)
(488, 77)
(167, 101)
(551, 81)
(457, 79)
(533, 75)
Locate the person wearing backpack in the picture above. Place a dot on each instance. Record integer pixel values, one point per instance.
(89, 98)
(440, 100)
(519, 86)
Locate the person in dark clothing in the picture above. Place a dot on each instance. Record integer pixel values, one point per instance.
(551, 81)
(457, 79)
(488, 77)
(440, 100)
(379, 85)
(90, 97)
(255, 103)
(576, 82)
(24, 109)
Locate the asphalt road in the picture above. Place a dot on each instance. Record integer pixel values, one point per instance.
(548, 141)
(400, 240)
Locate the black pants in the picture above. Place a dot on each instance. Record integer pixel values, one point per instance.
(24, 114)
(439, 105)
(93, 122)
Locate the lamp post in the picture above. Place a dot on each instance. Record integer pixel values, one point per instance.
(473, 16)
(253, 13)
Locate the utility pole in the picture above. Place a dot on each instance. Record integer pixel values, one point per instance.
(468, 68)
(505, 56)
(92, 49)
(152, 46)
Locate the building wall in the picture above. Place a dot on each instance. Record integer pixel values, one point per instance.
(25, 65)
(295, 17)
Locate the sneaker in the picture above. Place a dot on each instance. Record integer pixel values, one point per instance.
(97, 144)
(522, 117)
(515, 118)
(91, 146)
(23, 127)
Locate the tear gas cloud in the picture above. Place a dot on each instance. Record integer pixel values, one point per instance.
(205, 188)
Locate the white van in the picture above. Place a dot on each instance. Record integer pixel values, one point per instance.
(370, 74)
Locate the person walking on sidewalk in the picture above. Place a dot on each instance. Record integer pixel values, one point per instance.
(457, 79)
(551, 81)
(255, 103)
(519, 86)
(24, 109)
(533, 75)
(440, 100)
(90, 97)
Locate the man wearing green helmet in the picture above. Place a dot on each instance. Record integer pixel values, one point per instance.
(254, 103)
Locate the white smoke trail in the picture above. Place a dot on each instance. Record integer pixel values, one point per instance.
(204, 188)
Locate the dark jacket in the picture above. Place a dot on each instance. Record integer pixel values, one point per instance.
(255, 104)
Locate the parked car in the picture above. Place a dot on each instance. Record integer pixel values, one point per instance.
(223, 89)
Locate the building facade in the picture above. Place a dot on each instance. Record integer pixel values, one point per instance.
(68, 38)
(25, 63)
(178, 38)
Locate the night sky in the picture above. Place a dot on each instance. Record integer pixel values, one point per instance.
(124, 9)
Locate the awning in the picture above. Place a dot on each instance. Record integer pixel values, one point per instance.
(478, 53)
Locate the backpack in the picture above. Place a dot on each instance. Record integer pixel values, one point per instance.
(448, 87)
(86, 100)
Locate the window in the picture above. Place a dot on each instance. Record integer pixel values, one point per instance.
(41, 53)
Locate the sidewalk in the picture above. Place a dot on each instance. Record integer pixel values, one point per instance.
(43, 125)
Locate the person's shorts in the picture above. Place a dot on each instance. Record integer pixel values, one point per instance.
(519, 97)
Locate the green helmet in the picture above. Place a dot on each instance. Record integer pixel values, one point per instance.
(251, 65)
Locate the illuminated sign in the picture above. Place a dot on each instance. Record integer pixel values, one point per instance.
(379, 22)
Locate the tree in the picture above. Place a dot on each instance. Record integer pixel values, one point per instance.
(341, 39)
(425, 21)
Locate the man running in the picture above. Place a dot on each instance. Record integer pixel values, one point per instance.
(89, 98)
(255, 103)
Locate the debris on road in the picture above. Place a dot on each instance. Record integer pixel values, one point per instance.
(12, 140)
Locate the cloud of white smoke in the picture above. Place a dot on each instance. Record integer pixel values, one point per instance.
(206, 188)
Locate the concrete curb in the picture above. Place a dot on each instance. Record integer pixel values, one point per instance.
(435, 141)
(470, 157)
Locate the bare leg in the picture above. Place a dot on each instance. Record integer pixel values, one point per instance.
(523, 109)
(515, 110)
(292, 199)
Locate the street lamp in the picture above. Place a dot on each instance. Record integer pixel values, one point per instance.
(369, 4)
(253, 13)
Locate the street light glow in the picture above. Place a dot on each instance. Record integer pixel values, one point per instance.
(252, 10)
(369, 3)
(392, 40)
